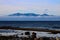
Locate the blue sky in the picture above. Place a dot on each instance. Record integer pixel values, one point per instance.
(35, 6)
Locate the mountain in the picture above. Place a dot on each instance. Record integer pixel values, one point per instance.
(15, 14)
(46, 15)
(31, 14)
(28, 14)
(25, 14)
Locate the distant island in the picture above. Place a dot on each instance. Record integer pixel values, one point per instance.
(28, 14)
(29, 17)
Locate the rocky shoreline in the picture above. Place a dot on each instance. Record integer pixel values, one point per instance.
(31, 29)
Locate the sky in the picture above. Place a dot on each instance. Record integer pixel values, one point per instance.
(32, 6)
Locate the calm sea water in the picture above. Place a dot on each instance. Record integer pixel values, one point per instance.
(32, 24)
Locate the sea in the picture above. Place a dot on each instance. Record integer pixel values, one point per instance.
(32, 24)
(52, 25)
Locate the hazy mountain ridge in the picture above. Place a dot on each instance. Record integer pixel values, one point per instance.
(28, 14)
(29, 17)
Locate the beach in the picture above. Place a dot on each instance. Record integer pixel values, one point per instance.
(17, 34)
